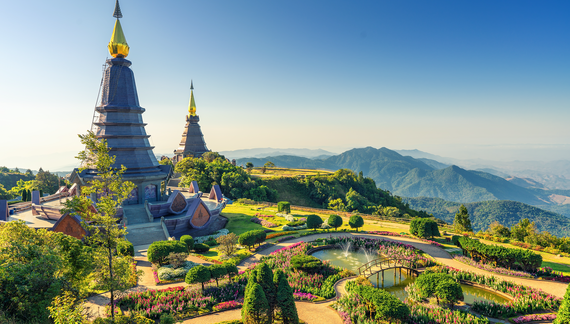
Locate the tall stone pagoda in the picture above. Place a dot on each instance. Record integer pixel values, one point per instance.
(192, 143)
(118, 119)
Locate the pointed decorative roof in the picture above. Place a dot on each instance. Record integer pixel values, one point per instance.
(118, 46)
(192, 105)
(117, 14)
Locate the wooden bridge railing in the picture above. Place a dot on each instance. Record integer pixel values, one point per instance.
(382, 264)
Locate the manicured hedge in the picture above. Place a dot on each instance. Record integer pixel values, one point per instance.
(382, 304)
(251, 238)
(296, 223)
(356, 221)
(159, 250)
(126, 248)
(563, 316)
(424, 227)
(284, 207)
(201, 248)
(306, 262)
(509, 258)
(334, 221)
(314, 221)
(189, 241)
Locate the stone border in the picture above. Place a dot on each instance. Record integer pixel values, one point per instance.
(480, 286)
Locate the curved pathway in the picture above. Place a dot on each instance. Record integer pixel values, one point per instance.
(440, 255)
(322, 313)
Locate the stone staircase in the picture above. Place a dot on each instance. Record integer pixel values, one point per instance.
(144, 234)
(135, 214)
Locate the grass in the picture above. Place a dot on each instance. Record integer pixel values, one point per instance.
(286, 172)
(239, 220)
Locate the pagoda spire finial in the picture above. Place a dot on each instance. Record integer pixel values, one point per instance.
(118, 46)
(117, 14)
(192, 105)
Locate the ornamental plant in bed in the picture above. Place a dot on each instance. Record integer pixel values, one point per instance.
(319, 281)
(491, 268)
(263, 222)
(179, 301)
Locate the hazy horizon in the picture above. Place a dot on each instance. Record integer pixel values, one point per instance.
(462, 80)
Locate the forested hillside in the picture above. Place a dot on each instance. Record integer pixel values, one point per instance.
(409, 177)
(484, 213)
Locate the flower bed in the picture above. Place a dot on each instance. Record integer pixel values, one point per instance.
(182, 302)
(304, 296)
(320, 283)
(534, 317)
(273, 235)
(384, 233)
(526, 300)
(205, 258)
(431, 314)
(547, 273)
(169, 273)
(263, 222)
(202, 239)
(264, 216)
(491, 268)
(232, 304)
(285, 239)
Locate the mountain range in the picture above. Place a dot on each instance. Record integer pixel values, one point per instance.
(423, 176)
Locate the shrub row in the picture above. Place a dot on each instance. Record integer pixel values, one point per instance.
(158, 251)
(251, 238)
(506, 257)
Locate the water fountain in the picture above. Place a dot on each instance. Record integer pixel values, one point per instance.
(369, 253)
(345, 247)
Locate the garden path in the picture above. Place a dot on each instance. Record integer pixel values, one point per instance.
(555, 288)
(316, 313)
(308, 312)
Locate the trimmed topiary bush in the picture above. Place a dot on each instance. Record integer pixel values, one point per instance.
(314, 221)
(189, 241)
(306, 262)
(199, 274)
(563, 316)
(356, 221)
(158, 251)
(382, 304)
(217, 271)
(296, 223)
(231, 269)
(255, 306)
(424, 228)
(285, 300)
(284, 207)
(201, 248)
(125, 248)
(335, 221)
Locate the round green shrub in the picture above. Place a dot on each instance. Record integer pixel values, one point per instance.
(306, 262)
(314, 221)
(356, 221)
(335, 221)
(284, 207)
(201, 248)
(158, 251)
(198, 274)
(125, 248)
(217, 271)
(189, 241)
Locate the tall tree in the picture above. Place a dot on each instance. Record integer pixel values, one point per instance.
(112, 271)
(462, 223)
(47, 182)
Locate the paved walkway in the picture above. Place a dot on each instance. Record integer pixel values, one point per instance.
(319, 313)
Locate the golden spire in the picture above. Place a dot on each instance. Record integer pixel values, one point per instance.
(118, 46)
(192, 105)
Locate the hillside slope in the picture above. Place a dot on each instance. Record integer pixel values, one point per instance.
(484, 213)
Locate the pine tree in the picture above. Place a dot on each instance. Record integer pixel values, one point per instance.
(255, 306)
(285, 299)
(265, 279)
(462, 223)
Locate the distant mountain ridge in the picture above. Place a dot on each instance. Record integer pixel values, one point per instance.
(268, 151)
(483, 213)
(410, 177)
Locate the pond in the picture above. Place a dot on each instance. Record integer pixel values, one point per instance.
(393, 281)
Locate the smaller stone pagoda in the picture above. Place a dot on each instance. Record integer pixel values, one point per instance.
(192, 143)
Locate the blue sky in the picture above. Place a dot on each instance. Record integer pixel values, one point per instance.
(487, 79)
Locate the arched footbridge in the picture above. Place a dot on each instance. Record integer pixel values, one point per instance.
(382, 264)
